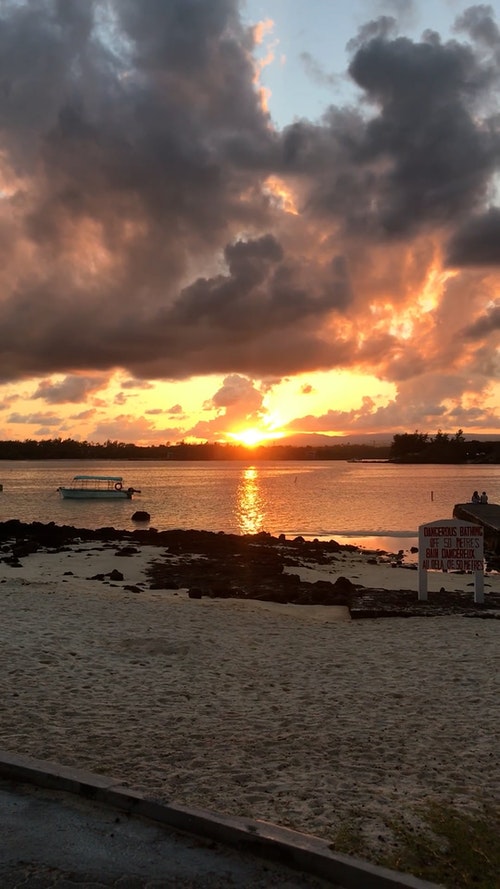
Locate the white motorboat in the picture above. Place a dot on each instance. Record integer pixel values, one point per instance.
(97, 487)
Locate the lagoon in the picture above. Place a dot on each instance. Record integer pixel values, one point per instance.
(370, 504)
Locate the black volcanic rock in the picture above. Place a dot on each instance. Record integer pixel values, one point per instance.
(243, 567)
(140, 515)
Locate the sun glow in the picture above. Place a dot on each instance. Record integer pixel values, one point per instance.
(252, 437)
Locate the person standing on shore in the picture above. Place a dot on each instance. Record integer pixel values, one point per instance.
(484, 497)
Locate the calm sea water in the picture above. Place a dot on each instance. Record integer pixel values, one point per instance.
(372, 504)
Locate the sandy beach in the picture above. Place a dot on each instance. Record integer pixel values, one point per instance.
(294, 714)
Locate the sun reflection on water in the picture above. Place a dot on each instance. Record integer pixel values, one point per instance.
(250, 504)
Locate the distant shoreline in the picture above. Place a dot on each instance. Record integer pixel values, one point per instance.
(442, 449)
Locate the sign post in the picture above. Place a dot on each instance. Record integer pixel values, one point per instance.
(451, 545)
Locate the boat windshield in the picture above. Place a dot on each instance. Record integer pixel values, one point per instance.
(98, 478)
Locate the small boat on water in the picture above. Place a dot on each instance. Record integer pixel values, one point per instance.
(97, 487)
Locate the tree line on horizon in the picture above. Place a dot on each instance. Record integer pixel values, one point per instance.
(416, 447)
(69, 449)
(420, 447)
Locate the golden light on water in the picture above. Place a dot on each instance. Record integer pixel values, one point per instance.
(250, 505)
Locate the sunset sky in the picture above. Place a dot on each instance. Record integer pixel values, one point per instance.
(254, 219)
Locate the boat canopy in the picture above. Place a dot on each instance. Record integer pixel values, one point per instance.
(98, 478)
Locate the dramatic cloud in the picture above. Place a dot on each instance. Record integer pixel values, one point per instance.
(238, 405)
(152, 219)
(71, 389)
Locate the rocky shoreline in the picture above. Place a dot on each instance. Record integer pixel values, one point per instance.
(256, 567)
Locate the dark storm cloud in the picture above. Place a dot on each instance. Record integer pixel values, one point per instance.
(261, 288)
(438, 160)
(140, 221)
(422, 159)
(479, 22)
(384, 26)
(477, 243)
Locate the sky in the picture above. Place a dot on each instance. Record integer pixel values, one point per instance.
(248, 221)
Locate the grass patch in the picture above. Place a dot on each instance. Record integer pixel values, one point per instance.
(349, 839)
(455, 849)
(460, 850)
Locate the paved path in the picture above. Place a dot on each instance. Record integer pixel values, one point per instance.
(67, 828)
(50, 839)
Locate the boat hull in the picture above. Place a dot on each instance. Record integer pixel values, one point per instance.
(86, 494)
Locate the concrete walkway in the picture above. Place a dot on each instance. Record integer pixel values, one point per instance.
(66, 828)
(485, 514)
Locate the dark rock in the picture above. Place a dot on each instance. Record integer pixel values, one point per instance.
(111, 575)
(127, 551)
(195, 593)
(115, 575)
(25, 548)
(344, 585)
(140, 515)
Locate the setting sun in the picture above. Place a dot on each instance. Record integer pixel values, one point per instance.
(252, 437)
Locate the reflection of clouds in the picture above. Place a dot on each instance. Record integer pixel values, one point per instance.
(250, 506)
